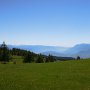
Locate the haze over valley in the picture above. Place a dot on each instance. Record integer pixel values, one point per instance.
(82, 50)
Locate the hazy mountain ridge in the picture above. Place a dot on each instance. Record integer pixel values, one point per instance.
(78, 48)
(39, 48)
(82, 50)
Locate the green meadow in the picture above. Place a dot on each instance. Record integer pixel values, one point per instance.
(63, 75)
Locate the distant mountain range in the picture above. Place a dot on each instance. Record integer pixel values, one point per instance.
(39, 48)
(82, 50)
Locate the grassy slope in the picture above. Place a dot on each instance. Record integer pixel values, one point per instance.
(67, 75)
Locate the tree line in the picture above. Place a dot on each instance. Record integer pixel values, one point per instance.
(28, 56)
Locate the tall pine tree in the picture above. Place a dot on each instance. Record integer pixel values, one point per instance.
(4, 53)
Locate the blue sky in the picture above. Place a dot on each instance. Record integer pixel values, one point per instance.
(45, 22)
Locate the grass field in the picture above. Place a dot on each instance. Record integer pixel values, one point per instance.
(64, 75)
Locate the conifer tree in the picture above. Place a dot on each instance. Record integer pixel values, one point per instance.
(28, 58)
(78, 57)
(4, 53)
(50, 58)
(40, 59)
